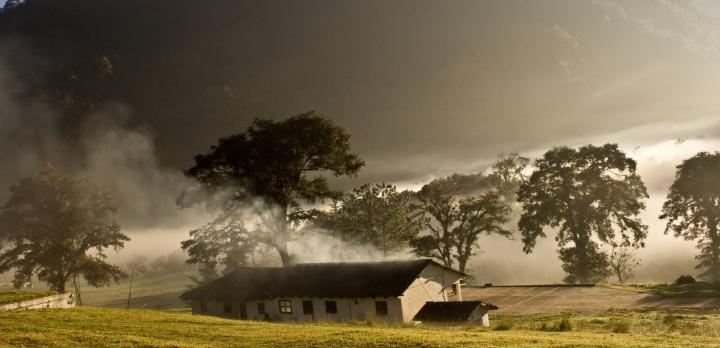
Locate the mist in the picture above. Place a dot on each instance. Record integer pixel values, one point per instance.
(420, 103)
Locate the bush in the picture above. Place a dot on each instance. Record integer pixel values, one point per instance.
(670, 320)
(685, 279)
(503, 326)
(564, 324)
(620, 326)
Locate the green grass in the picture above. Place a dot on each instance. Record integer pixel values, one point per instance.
(17, 296)
(106, 327)
(695, 290)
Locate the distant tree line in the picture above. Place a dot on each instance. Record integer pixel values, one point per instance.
(267, 184)
(590, 198)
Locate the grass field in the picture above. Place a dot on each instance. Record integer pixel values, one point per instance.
(17, 296)
(107, 327)
(695, 290)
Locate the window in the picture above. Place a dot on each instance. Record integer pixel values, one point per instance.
(203, 307)
(227, 308)
(261, 308)
(308, 308)
(330, 307)
(381, 309)
(285, 306)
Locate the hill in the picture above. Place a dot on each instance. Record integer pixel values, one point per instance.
(151, 290)
(530, 299)
(105, 327)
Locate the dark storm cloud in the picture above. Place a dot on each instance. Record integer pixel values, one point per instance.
(425, 88)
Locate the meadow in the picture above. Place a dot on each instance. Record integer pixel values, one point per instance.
(110, 327)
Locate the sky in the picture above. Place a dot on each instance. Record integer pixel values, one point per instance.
(429, 88)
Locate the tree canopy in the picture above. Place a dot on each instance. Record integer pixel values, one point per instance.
(454, 222)
(377, 215)
(692, 209)
(278, 162)
(57, 227)
(593, 191)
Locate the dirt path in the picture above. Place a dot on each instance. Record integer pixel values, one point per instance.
(583, 299)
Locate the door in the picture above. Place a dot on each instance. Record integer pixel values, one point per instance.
(242, 311)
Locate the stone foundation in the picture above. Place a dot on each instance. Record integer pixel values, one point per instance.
(66, 300)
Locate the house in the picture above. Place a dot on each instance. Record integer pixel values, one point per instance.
(391, 291)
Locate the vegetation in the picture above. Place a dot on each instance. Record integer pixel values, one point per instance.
(623, 262)
(587, 192)
(89, 327)
(377, 215)
(17, 296)
(692, 290)
(507, 173)
(264, 174)
(685, 279)
(57, 227)
(693, 209)
(454, 223)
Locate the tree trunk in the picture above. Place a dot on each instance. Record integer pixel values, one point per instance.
(715, 246)
(280, 241)
(284, 254)
(581, 266)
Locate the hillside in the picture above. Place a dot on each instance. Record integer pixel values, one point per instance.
(151, 290)
(590, 299)
(104, 327)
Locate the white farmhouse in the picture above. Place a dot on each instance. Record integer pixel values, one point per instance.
(392, 291)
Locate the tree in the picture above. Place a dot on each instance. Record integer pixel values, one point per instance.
(507, 173)
(623, 262)
(57, 228)
(279, 163)
(454, 224)
(378, 215)
(585, 192)
(225, 242)
(693, 209)
(484, 214)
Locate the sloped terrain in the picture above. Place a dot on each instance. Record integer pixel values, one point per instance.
(578, 299)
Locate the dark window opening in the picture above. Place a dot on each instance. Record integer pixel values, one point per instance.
(330, 307)
(285, 306)
(308, 308)
(203, 307)
(261, 308)
(227, 308)
(381, 308)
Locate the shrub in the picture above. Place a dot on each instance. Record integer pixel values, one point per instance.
(620, 326)
(685, 279)
(564, 324)
(503, 326)
(670, 320)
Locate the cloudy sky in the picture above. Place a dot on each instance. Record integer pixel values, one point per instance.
(428, 88)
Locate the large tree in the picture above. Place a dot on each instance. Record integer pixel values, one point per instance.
(593, 191)
(378, 215)
(455, 222)
(693, 209)
(57, 227)
(280, 163)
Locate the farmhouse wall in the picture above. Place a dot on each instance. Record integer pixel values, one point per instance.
(347, 310)
(432, 284)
